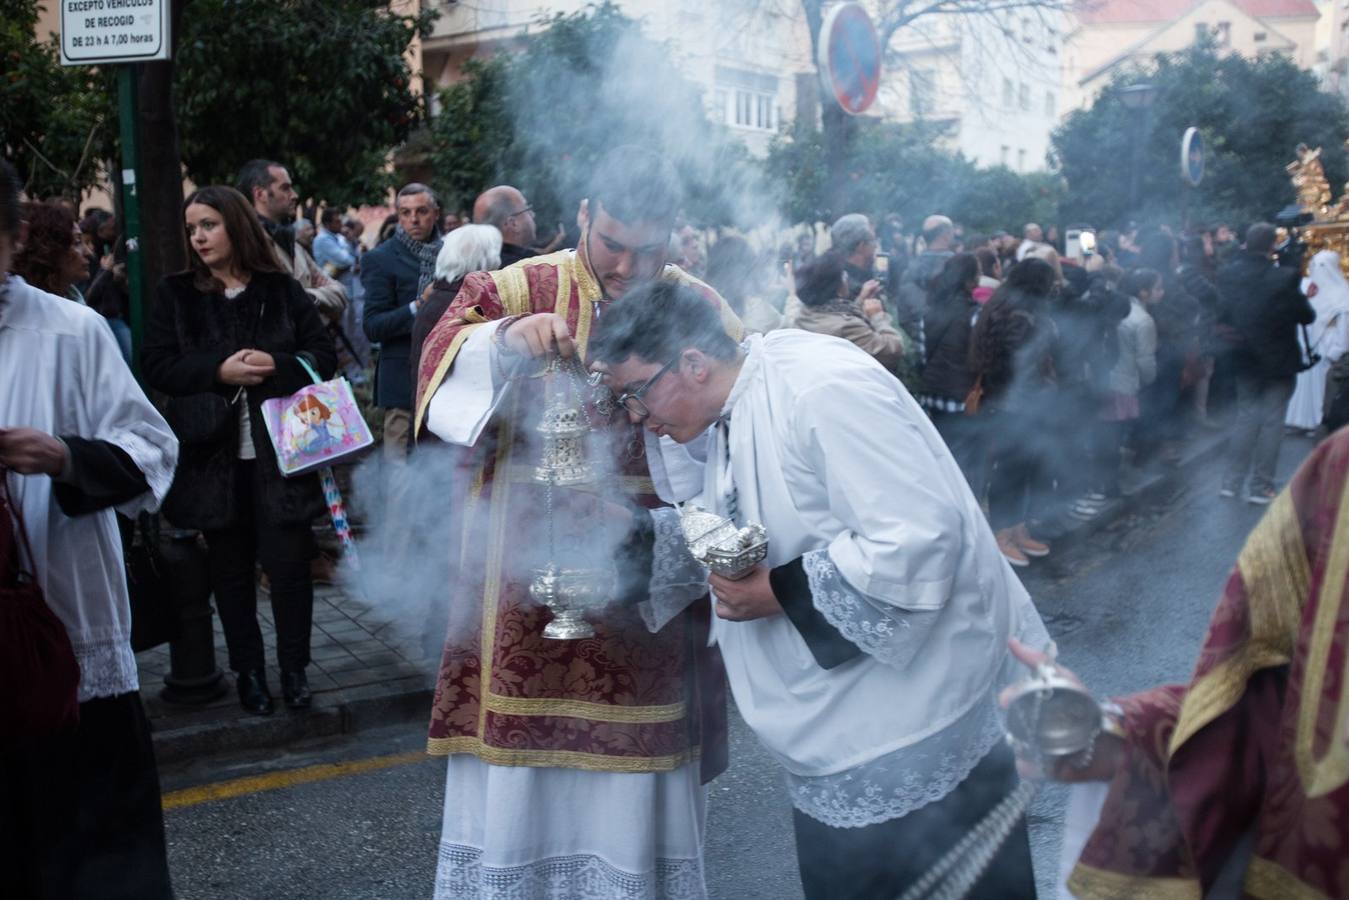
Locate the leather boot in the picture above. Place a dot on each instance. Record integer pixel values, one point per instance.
(295, 689)
(253, 693)
(1029, 545)
(1007, 544)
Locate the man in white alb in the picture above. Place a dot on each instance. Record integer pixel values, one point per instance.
(867, 653)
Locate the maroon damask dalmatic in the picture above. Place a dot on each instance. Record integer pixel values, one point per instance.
(1257, 741)
(623, 701)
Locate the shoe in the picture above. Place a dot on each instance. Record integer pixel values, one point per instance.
(1007, 544)
(1227, 490)
(253, 693)
(1262, 496)
(295, 690)
(1084, 510)
(1027, 544)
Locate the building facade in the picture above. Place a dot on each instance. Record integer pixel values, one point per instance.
(746, 55)
(1108, 35)
(991, 81)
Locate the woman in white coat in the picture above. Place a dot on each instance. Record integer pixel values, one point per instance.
(1326, 288)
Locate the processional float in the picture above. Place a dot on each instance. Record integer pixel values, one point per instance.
(1321, 223)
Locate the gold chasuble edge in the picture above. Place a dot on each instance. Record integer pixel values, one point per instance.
(1090, 883)
(1268, 880)
(1274, 570)
(562, 759)
(1322, 775)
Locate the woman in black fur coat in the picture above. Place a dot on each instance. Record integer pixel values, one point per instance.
(223, 337)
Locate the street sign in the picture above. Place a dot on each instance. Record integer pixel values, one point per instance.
(113, 31)
(1192, 157)
(850, 57)
(108, 32)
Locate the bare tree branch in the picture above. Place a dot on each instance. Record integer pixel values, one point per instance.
(51, 165)
(84, 154)
(902, 13)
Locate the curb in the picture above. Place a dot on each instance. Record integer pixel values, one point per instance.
(347, 711)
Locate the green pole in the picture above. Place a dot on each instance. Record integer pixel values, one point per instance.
(131, 207)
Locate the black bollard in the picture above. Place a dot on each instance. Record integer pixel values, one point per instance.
(193, 676)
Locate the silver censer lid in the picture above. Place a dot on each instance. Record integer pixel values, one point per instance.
(1052, 716)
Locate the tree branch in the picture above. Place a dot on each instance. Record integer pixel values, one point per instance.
(902, 14)
(50, 164)
(84, 154)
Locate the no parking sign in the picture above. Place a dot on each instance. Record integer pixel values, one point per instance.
(850, 57)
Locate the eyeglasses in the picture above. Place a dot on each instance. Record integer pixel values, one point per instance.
(520, 212)
(632, 400)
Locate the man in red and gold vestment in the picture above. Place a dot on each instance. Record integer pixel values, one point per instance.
(1237, 785)
(576, 766)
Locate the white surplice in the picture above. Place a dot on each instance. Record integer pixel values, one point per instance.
(64, 375)
(827, 450)
(534, 833)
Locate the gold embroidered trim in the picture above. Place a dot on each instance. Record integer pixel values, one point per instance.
(1270, 880)
(496, 544)
(441, 370)
(1274, 569)
(585, 312)
(1277, 574)
(1323, 775)
(470, 514)
(559, 759)
(581, 709)
(562, 298)
(587, 288)
(1090, 883)
(513, 290)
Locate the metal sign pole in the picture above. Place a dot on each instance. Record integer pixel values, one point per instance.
(131, 207)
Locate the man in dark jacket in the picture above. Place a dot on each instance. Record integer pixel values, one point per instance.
(911, 304)
(506, 209)
(396, 276)
(1260, 308)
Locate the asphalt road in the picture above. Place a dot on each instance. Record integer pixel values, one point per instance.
(1128, 610)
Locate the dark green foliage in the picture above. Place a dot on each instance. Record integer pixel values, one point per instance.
(539, 118)
(56, 123)
(892, 168)
(319, 85)
(1252, 113)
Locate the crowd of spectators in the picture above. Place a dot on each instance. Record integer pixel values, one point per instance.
(1055, 373)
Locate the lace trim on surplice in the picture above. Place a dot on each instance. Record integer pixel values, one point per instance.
(107, 667)
(461, 875)
(900, 782)
(890, 634)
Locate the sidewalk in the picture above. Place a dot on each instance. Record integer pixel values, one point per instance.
(364, 676)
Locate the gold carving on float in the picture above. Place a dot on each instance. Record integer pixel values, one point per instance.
(1329, 229)
(1309, 180)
